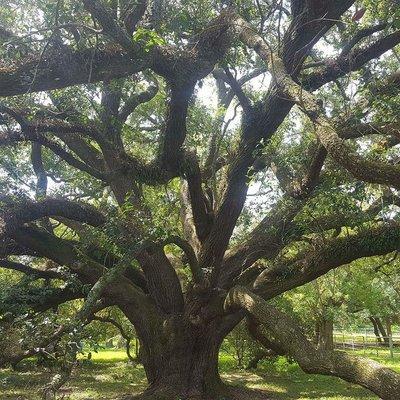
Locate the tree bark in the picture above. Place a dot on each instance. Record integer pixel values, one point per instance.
(180, 358)
(382, 331)
(376, 329)
(180, 352)
(187, 366)
(365, 372)
(324, 333)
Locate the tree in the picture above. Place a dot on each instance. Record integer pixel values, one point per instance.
(378, 277)
(318, 305)
(140, 187)
(365, 292)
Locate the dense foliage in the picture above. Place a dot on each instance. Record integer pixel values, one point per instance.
(172, 171)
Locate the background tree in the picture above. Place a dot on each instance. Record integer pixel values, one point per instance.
(122, 184)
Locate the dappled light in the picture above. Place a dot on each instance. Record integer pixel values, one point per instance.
(199, 199)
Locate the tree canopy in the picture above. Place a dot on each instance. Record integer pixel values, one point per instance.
(188, 162)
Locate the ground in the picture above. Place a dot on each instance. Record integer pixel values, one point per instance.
(108, 375)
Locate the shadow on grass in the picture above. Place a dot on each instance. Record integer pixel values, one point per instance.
(293, 387)
(91, 380)
(283, 380)
(109, 376)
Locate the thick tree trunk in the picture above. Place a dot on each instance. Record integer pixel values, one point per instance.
(180, 357)
(325, 334)
(188, 369)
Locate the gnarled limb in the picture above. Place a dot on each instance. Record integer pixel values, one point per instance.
(254, 329)
(15, 215)
(311, 19)
(174, 134)
(379, 379)
(133, 13)
(162, 280)
(64, 252)
(26, 269)
(135, 100)
(361, 168)
(201, 208)
(198, 274)
(42, 300)
(110, 26)
(360, 35)
(85, 66)
(265, 241)
(390, 85)
(352, 61)
(16, 136)
(289, 273)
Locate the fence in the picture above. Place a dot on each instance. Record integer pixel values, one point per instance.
(368, 344)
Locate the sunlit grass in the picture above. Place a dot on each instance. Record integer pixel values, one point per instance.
(109, 375)
(108, 356)
(285, 380)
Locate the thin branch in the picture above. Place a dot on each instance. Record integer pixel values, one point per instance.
(198, 274)
(121, 331)
(361, 34)
(237, 89)
(45, 274)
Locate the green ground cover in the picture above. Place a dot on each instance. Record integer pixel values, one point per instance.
(108, 375)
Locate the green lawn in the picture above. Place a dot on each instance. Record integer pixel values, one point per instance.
(109, 375)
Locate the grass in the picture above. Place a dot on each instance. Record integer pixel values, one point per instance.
(106, 376)
(287, 381)
(109, 375)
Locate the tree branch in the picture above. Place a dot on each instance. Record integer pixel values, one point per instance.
(133, 14)
(45, 274)
(15, 215)
(361, 34)
(353, 61)
(380, 380)
(7, 138)
(197, 273)
(135, 100)
(127, 338)
(327, 254)
(358, 166)
(110, 26)
(84, 66)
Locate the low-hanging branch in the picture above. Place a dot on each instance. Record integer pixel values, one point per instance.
(368, 373)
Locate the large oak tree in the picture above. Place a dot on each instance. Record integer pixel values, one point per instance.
(141, 187)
